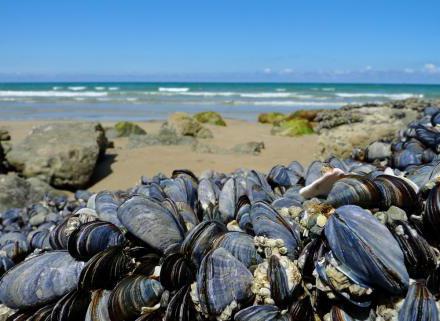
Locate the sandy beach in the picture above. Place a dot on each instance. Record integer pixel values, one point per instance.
(122, 166)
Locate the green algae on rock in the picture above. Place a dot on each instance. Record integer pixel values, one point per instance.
(293, 127)
(210, 117)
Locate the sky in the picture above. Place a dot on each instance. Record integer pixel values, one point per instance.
(224, 40)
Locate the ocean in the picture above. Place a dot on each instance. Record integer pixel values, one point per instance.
(150, 101)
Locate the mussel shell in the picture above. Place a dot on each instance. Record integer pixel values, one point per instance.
(200, 239)
(98, 307)
(43, 314)
(221, 280)
(112, 263)
(419, 304)
(240, 245)
(430, 138)
(420, 258)
(354, 190)
(71, 307)
(229, 195)
(92, 238)
(431, 214)
(282, 176)
(338, 314)
(279, 284)
(181, 307)
(131, 295)
(106, 206)
(176, 271)
(40, 280)
(396, 191)
(151, 222)
(367, 248)
(302, 310)
(267, 222)
(261, 313)
(208, 193)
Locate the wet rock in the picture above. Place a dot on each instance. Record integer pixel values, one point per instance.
(293, 127)
(271, 118)
(185, 125)
(253, 148)
(167, 135)
(210, 117)
(333, 118)
(16, 191)
(126, 128)
(61, 154)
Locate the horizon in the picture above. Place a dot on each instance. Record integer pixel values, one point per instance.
(233, 41)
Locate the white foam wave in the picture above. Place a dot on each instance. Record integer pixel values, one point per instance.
(56, 88)
(289, 103)
(280, 89)
(174, 90)
(99, 88)
(378, 95)
(266, 95)
(77, 88)
(113, 88)
(11, 93)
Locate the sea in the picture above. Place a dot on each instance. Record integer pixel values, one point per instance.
(142, 101)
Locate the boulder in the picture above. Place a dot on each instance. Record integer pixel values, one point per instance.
(210, 117)
(61, 154)
(16, 191)
(293, 127)
(166, 136)
(271, 118)
(310, 115)
(126, 128)
(378, 151)
(185, 125)
(252, 148)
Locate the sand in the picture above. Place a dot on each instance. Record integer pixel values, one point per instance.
(122, 167)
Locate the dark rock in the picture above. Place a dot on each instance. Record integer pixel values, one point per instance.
(61, 154)
(4, 134)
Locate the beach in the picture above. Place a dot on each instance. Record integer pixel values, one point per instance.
(122, 167)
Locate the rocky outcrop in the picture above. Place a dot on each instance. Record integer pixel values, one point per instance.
(4, 135)
(167, 135)
(271, 118)
(61, 154)
(293, 127)
(210, 117)
(16, 191)
(352, 127)
(126, 128)
(185, 125)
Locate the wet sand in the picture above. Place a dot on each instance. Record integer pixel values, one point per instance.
(122, 167)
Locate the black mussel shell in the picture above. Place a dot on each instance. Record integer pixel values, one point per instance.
(419, 304)
(71, 307)
(176, 271)
(302, 310)
(181, 307)
(261, 313)
(398, 192)
(98, 307)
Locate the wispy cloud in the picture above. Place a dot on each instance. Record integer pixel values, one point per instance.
(431, 68)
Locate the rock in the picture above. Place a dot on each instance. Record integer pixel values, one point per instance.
(204, 133)
(208, 148)
(293, 127)
(2, 159)
(271, 118)
(4, 134)
(61, 154)
(41, 188)
(378, 150)
(15, 191)
(374, 124)
(333, 118)
(253, 148)
(310, 115)
(185, 125)
(5, 312)
(210, 117)
(166, 136)
(126, 128)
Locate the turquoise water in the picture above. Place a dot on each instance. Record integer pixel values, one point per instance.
(146, 101)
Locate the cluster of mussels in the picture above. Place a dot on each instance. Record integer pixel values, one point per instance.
(341, 240)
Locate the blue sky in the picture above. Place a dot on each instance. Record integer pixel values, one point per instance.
(278, 40)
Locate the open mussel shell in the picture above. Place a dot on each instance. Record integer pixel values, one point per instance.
(92, 238)
(261, 313)
(40, 280)
(98, 307)
(133, 296)
(419, 304)
(354, 190)
(220, 295)
(151, 222)
(240, 245)
(398, 192)
(270, 224)
(181, 307)
(200, 239)
(105, 269)
(420, 257)
(367, 249)
(71, 307)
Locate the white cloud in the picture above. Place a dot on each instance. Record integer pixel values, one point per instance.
(431, 69)
(267, 70)
(408, 71)
(368, 68)
(286, 71)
